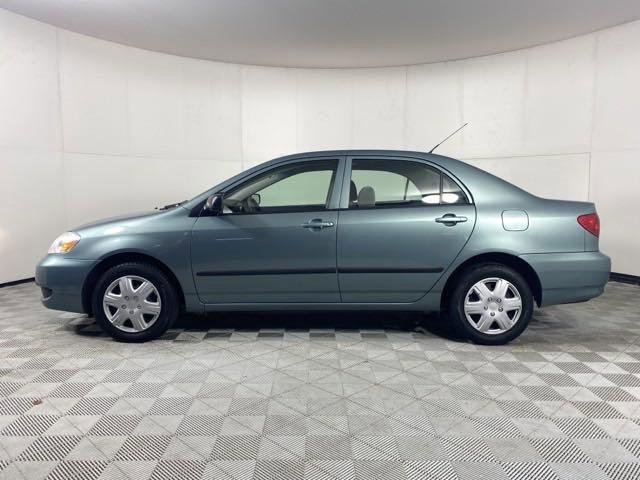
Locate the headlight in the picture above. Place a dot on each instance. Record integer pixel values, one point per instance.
(64, 243)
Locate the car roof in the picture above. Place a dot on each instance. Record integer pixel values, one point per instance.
(446, 162)
(359, 152)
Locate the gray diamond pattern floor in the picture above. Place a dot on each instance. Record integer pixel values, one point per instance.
(321, 396)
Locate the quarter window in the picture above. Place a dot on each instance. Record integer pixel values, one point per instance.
(295, 187)
(451, 191)
(385, 183)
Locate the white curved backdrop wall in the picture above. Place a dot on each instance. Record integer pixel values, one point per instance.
(90, 128)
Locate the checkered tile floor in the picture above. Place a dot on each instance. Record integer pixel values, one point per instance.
(321, 396)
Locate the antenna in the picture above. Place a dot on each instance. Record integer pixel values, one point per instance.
(449, 136)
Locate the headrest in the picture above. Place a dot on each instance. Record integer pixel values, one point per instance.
(367, 197)
(353, 192)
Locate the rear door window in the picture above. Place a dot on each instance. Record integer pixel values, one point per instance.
(380, 183)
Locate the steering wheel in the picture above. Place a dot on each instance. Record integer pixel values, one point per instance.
(246, 205)
(249, 205)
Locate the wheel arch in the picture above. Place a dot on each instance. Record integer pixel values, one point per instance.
(125, 257)
(513, 261)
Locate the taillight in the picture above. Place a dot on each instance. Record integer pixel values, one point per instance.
(591, 223)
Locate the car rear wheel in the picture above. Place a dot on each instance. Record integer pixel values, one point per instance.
(135, 302)
(491, 305)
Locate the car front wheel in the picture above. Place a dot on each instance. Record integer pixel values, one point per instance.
(135, 302)
(491, 305)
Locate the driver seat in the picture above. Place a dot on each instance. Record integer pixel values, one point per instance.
(251, 204)
(353, 194)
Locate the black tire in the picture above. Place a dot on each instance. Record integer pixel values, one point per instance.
(170, 305)
(473, 275)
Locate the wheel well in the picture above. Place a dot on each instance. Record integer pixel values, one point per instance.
(519, 265)
(118, 258)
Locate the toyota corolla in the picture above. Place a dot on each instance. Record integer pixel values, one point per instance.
(338, 230)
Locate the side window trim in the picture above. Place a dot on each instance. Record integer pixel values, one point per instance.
(344, 199)
(334, 194)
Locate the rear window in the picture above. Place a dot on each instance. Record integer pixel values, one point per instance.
(388, 183)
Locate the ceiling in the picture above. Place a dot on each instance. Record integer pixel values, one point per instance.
(330, 33)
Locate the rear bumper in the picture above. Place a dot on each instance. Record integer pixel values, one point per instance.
(61, 280)
(570, 277)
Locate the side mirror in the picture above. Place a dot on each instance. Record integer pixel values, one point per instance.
(256, 198)
(213, 205)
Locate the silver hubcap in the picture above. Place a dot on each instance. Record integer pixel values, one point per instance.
(132, 303)
(493, 306)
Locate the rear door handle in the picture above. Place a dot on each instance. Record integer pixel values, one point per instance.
(317, 223)
(451, 219)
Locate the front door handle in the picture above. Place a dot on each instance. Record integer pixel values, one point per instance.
(451, 219)
(317, 223)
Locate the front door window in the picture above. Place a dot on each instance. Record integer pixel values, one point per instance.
(298, 187)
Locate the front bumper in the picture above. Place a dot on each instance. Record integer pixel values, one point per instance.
(61, 280)
(570, 277)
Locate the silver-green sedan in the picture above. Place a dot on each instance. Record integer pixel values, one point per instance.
(335, 230)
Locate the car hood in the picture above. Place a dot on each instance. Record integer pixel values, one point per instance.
(121, 219)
